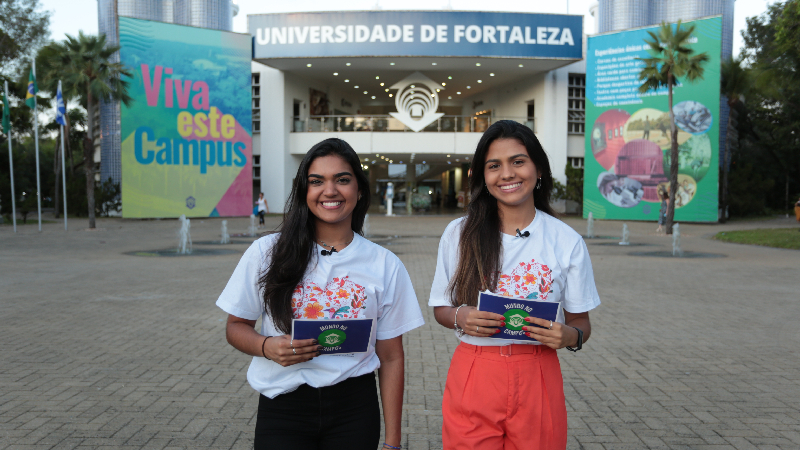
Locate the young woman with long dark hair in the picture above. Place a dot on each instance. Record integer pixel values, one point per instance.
(503, 393)
(320, 267)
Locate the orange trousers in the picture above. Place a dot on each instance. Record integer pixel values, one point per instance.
(508, 398)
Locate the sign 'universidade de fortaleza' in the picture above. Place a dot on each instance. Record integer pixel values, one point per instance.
(415, 33)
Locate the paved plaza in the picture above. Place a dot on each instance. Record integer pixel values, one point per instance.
(103, 346)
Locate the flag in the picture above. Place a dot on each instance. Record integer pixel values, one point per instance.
(6, 114)
(61, 109)
(30, 99)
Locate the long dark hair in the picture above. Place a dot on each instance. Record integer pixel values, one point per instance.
(294, 249)
(480, 245)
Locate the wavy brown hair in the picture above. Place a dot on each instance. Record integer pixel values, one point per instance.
(291, 254)
(480, 245)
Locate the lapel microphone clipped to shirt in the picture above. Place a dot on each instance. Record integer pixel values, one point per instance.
(523, 235)
(329, 252)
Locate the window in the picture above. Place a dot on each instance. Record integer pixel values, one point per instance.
(256, 167)
(256, 100)
(576, 115)
(575, 162)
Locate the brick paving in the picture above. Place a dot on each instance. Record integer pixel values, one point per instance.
(99, 349)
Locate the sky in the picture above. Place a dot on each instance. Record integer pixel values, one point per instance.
(70, 16)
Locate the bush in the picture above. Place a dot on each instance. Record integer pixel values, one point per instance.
(747, 191)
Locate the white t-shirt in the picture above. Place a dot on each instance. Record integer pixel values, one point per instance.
(363, 280)
(262, 204)
(552, 264)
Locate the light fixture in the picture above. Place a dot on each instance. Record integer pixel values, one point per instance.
(449, 97)
(381, 84)
(444, 84)
(377, 154)
(448, 156)
(469, 87)
(390, 95)
(387, 90)
(373, 97)
(438, 90)
(335, 73)
(346, 80)
(377, 77)
(449, 78)
(308, 65)
(401, 162)
(433, 64)
(355, 87)
(365, 92)
(480, 81)
(521, 65)
(412, 86)
(459, 92)
(432, 95)
(491, 74)
(423, 162)
(347, 64)
(391, 64)
(478, 64)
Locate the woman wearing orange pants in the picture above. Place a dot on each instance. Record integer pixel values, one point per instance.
(507, 394)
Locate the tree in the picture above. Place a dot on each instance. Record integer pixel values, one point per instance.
(22, 29)
(84, 64)
(772, 49)
(671, 58)
(735, 84)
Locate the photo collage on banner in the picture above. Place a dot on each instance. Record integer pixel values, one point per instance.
(186, 137)
(628, 135)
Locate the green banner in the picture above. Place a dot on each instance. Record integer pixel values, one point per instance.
(628, 134)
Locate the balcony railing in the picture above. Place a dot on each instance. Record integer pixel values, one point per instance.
(380, 122)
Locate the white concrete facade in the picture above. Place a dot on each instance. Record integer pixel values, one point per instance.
(282, 144)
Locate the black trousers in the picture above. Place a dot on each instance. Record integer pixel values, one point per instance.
(261, 217)
(342, 416)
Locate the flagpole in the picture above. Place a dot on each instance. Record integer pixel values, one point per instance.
(36, 137)
(63, 166)
(10, 162)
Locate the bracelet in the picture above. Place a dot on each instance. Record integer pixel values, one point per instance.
(262, 347)
(459, 330)
(385, 445)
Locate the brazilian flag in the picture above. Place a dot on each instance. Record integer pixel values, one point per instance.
(30, 98)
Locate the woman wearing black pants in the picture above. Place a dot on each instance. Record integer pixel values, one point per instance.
(320, 267)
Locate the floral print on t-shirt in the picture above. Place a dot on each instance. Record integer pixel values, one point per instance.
(526, 280)
(341, 298)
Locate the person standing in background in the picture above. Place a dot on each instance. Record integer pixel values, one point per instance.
(662, 213)
(263, 208)
(797, 210)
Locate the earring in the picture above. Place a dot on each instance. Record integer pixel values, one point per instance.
(539, 184)
(359, 197)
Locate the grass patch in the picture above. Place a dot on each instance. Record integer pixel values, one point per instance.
(769, 237)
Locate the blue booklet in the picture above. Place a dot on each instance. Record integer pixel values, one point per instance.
(335, 336)
(515, 311)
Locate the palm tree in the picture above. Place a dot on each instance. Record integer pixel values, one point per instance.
(88, 72)
(671, 59)
(735, 84)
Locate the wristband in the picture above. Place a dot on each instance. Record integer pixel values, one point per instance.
(262, 347)
(580, 341)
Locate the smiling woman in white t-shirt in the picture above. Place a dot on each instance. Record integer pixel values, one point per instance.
(320, 267)
(504, 393)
